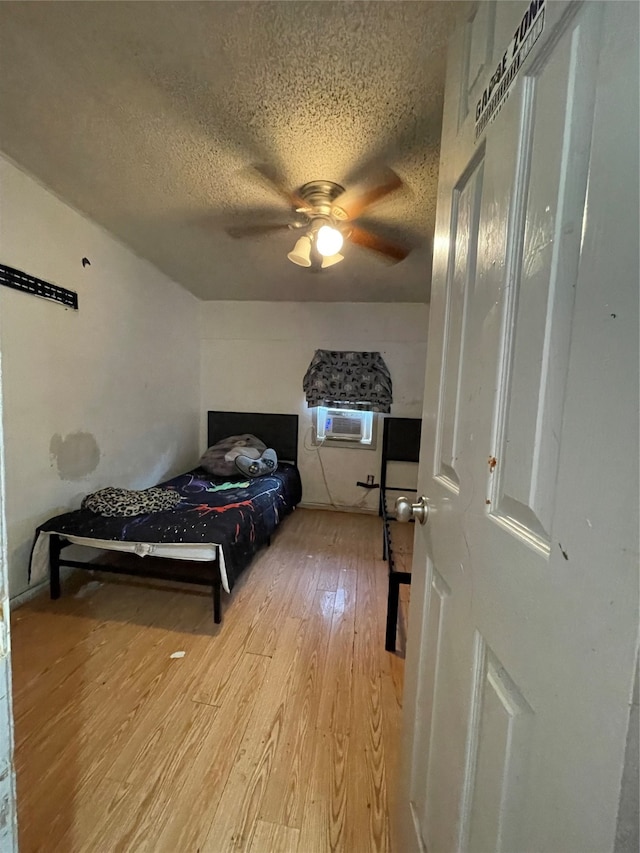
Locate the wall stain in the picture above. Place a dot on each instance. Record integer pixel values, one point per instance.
(76, 455)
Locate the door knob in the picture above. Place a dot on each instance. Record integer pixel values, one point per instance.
(405, 510)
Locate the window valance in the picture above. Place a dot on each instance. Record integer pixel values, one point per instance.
(355, 380)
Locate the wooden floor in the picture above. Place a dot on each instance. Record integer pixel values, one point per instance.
(277, 731)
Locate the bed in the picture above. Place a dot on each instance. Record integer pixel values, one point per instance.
(216, 528)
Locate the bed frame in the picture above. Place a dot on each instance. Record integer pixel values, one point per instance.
(400, 443)
(277, 431)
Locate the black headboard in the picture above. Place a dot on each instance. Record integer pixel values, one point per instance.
(401, 440)
(400, 443)
(277, 431)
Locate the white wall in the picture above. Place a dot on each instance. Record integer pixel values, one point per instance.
(106, 395)
(254, 356)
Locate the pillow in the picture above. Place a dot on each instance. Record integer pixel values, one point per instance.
(214, 462)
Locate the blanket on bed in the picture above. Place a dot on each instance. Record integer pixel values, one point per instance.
(128, 502)
(237, 514)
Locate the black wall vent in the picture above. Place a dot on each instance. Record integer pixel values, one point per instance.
(18, 280)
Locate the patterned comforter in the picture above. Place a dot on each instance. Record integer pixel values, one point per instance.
(238, 514)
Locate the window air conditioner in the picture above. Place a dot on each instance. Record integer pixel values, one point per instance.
(344, 425)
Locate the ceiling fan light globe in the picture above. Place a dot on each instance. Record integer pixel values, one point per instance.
(330, 260)
(328, 241)
(301, 253)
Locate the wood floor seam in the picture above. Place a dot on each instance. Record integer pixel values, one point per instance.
(208, 704)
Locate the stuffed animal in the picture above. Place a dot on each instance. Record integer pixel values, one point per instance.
(244, 453)
(264, 464)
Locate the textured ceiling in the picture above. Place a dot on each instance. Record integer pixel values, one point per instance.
(147, 116)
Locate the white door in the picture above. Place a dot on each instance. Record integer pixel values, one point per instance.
(523, 624)
(8, 811)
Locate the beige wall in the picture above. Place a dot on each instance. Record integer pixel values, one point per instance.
(107, 395)
(255, 354)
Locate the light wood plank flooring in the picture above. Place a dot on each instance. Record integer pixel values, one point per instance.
(277, 732)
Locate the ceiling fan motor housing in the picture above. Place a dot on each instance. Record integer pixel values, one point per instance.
(319, 196)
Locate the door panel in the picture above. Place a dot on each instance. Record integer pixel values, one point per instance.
(555, 129)
(438, 594)
(465, 219)
(478, 46)
(497, 751)
(523, 625)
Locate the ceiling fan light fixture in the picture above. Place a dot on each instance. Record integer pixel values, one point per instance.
(330, 260)
(328, 241)
(329, 215)
(301, 253)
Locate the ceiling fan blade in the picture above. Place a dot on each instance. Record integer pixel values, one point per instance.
(363, 237)
(239, 231)
(274, 179)
(351, 204)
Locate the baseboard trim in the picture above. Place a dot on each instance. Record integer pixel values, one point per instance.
(30, 593)
(339, 508)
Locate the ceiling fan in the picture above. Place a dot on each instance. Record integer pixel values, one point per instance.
(327, 214)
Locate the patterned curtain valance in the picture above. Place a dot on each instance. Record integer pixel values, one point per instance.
(356, 380)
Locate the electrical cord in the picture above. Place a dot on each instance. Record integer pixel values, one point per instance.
(333, 503)
(316, 448)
